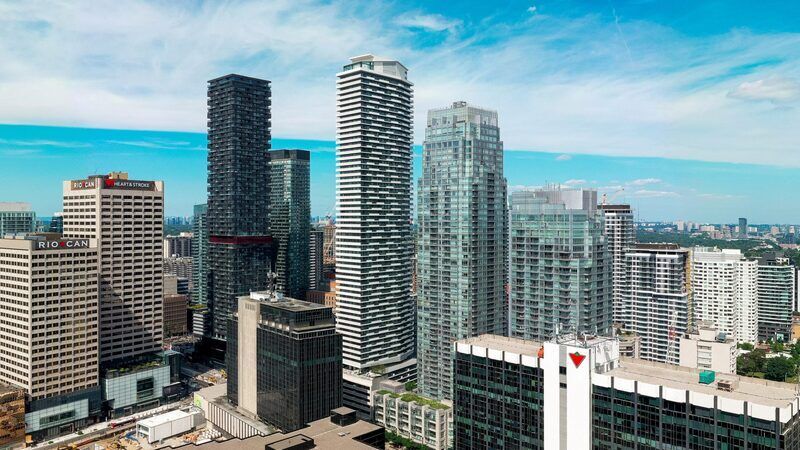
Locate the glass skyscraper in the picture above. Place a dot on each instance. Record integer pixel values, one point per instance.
(560, 270)
(238, 192)
(289, 218)
(461, 252)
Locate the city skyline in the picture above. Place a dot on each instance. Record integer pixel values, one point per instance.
(657, 188)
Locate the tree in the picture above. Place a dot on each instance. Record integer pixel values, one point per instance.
(778, 369)
(746, 346)
(750, 363)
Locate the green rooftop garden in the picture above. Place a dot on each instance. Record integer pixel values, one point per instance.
(409, 397)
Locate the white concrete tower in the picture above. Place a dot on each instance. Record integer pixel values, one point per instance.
(374, 247)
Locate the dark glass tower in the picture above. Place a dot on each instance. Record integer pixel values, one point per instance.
(238, 192)
(284, 360)
(289, 218)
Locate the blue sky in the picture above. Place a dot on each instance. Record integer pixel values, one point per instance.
(691, 106)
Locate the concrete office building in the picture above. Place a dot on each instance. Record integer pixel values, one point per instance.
(777, 291)
(373, 214)
(49, 337)
(620, 233)
(316, 237)
(576, 395)
(560, 271)
(705, 347)
(284, 360)
(238, 193)
(126, 217)
(180, 267)
(179, 246)
(175, 320)
(200, 256)
(461, 239)
(289, 218)
(16, 217)
(658, 290)
(724, 292)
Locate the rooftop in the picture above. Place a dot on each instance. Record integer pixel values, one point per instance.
(506, 344)
(755, 390)
(15, 207)
(277, 300)
(657, 246)
(167, 417)
(326, 434)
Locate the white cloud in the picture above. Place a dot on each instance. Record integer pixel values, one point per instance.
(429, 22)
(644, 181)
(531, 9)
(574, 182)
(644, 193)
(708, 196)
(573, 88)
(776, 89)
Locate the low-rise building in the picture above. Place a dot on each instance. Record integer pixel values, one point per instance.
(342, 430)
(142, 383)
(12, 417)
(630, 344)
(706, 348)
(579, 395)
(423, 420)
(173, 423)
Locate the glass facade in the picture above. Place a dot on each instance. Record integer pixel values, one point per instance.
(298, 367)
(16, 218)
(461, 250)
(498, 405)
(238, 192)
(626, 420)
(290, 218)
(560, 270)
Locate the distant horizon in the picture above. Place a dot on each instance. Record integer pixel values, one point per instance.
(38, 158)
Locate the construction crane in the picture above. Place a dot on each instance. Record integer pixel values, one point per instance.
(606, 198)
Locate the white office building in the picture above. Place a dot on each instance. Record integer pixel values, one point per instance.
(48, 337)
(127, 218)
(725, 294)
(374, 248)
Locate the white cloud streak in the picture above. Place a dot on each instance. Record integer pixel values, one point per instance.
(573, 89)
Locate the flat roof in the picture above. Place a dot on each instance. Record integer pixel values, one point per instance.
(160, 419)
(325, 433)
(504, 343)
(755, 390)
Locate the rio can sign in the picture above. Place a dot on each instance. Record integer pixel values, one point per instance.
(62, 243)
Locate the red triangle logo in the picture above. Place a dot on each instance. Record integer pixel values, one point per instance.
(577, 358)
